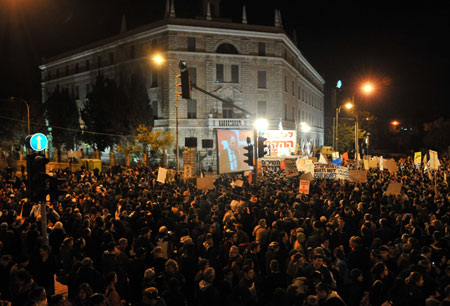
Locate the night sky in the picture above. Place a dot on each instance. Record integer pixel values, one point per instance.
(404, 49)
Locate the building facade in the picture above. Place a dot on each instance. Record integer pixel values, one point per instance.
(258, 68)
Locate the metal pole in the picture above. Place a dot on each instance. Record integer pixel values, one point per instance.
(356, 132)
(176, 126)
(255, 154)
(337, 127)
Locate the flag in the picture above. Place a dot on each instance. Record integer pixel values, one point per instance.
(280, 125)
(345, 156)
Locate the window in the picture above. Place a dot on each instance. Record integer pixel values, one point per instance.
(99, 61)
(261, 49)
(192, 109)
(67, 70)
(293, 88)
(193, 75)
(76, 93)
(111, 58)
(154, 78)
(234, 74)
(298, 92)
(227, 73)
(262, 79)
(191, 44)
(190, 142)
(88, 90)
(155, 109)
(285, 111)
(76, 68)
(219, 73)
(132, 52)
(49, 75)
(207, 143)
(87, 65)
(293, 113)
(227, 109)
(227, 49)
(262, 108)
(285, 83)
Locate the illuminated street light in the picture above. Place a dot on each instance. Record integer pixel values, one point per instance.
(158, 59)
(367, 88)
(261, 124)
(305, 127)
(395, 123)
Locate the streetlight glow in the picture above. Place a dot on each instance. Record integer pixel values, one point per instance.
(367, 88)
(395, 123)
(261, 124)
(158, 59)
(348, 105)
(304, 127)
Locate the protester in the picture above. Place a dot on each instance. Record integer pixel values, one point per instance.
(121, 232)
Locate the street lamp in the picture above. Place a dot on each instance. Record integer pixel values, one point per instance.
(347, 105)
(367, 88)
(158, 59)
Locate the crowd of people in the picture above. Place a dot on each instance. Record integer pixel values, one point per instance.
(120, 237)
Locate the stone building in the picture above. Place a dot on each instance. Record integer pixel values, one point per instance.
(258, 68)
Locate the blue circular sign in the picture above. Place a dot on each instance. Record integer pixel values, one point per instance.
(38, 142)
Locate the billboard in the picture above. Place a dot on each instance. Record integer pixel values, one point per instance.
(230, 150)
(280, 142)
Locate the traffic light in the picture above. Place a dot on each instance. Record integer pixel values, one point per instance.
(249, 153)
(261, 146)
(185, 80)
(37, 178)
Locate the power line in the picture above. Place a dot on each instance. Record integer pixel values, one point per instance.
(68, 129)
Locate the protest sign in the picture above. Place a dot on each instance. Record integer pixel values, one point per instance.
(434, 161)
(357, 176)
(205, 182)
(304, 187)
(394, 188)
(290, 167)
(342, 173)
(162, 173)
(418, 158)
(307, 177)
(325, 171)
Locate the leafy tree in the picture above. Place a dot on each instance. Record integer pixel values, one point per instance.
(346, 137)
(128, 148)
(63, 118)
(139, 111)
(105, 114)
(153, 141)
(437, 136)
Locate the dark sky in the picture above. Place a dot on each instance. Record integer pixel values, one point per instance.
(404, 49)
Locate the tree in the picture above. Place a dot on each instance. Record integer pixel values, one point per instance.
(139, 111)
(104, 114)
(346, 137)
(63, 118)
(155, 142)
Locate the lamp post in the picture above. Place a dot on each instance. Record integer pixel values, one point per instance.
(366, 88)
(158, 59)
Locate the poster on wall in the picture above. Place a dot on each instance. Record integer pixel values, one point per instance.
(230, 150)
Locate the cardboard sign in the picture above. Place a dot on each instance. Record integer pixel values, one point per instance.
(434, 161)
(162, 173)
(391, 165)
(357, 176)
(206, 182)
(238, 183)
(394, 188)
(307, 177)
(304, 187)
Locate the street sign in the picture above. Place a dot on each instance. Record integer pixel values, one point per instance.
(38, 142)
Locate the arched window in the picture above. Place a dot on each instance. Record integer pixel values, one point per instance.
(227, 49)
